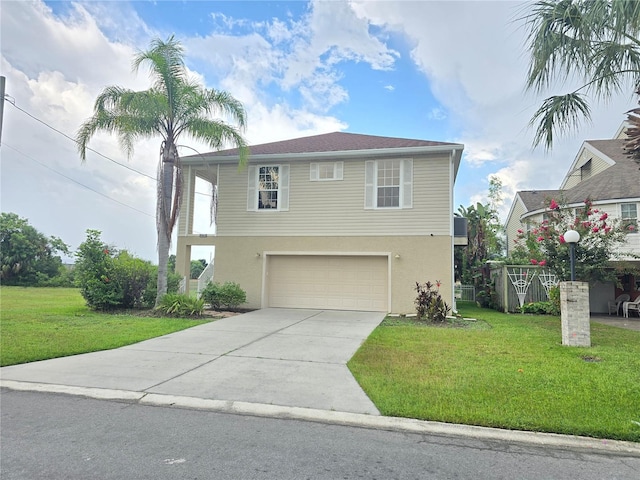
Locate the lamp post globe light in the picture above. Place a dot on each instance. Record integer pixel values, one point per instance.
(572, 237)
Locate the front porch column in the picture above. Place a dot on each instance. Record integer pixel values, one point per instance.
(183, 261)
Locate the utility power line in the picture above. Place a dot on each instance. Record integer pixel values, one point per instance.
(89, 148)
(75, 181)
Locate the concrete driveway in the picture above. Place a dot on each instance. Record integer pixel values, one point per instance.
(289, 357)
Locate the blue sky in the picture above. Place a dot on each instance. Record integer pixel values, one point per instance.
(446, 71)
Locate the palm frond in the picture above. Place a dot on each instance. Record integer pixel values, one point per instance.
(615, 65)
(556, 39)
(217, 134)
(632, 145)
(165, 60)
(560, 113)
(128, 114)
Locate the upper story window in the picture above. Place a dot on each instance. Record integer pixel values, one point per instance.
(629, 216)
(268, 187)
(326, 171)
(388, 183)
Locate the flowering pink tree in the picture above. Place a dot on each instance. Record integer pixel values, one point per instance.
(600, 240)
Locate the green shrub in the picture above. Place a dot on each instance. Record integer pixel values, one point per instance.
(429, 303)
(109, 279)
(95, 273)
(179, 305)
(554, 298)
(228, 295)
(538, 308)
(149, 295)
(550, 307)
(133, 276)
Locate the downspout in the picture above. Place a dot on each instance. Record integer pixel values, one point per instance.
(451, 228)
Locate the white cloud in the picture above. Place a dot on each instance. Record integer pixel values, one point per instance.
(89, 47)
(473, 54)
(437, 114)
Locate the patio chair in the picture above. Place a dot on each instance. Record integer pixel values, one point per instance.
(614, 306)
(630, 306)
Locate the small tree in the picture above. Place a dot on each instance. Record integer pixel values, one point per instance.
(27, 256)
(600, 240)
(96, 273)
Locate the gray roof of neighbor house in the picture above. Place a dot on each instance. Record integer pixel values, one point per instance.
(537, 199)
(620, 180)
(332, 142)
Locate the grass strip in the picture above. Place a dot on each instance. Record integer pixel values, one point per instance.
(515, 374)
(42, 323)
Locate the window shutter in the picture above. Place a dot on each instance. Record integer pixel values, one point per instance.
(407, 183)
(313, 172)
(338, 168)
(369, 184)
(252, 197)
(283, 187)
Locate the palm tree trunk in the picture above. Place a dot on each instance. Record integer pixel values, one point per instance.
(163, 215)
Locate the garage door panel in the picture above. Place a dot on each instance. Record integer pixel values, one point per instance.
(333, 282)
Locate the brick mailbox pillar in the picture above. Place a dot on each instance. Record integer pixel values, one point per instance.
(574, 311)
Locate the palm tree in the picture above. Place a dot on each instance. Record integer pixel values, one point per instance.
(597, 41)
(175, 104)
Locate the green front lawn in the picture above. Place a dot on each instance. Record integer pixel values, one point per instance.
(514, 374)
(42, 323)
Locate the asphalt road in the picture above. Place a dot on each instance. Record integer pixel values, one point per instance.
(49, 436)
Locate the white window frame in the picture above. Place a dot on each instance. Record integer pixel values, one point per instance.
(253, 189)
(371, 184)
(629, 220)
(316, 168)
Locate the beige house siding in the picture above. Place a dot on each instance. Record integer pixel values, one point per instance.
(243, 259)
(513, 223)
(598, 164)
(337, 207)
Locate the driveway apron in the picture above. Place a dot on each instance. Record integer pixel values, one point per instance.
(289, 357)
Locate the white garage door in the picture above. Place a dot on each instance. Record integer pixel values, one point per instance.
(328, 282)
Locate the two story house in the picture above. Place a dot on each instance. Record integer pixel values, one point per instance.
(335, 221)
(604, 173)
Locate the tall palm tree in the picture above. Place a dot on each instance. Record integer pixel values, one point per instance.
(595, 41)
(175, 104)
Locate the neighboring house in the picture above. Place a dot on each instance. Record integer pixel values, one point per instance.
(336, 221)
(602, 172)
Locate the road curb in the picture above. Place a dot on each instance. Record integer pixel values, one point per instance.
(397, 424)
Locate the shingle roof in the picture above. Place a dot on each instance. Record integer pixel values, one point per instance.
(621, 180)
(536, 199)
(331, 142)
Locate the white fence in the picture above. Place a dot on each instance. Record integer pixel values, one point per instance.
(465, 293)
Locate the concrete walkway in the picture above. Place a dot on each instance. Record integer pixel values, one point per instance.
(286, 357)
(631, 323)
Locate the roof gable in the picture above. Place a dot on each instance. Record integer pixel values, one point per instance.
(621, 180)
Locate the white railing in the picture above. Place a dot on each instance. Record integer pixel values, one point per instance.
(182, 286)
(205, 277)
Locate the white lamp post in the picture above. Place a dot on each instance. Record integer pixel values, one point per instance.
(572, 237)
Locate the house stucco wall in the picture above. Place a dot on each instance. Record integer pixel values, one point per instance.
(421, 259)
